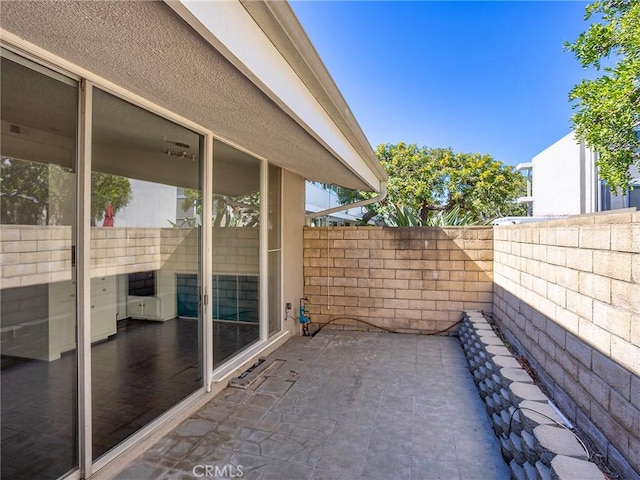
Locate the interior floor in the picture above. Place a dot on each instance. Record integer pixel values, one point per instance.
(139, 373)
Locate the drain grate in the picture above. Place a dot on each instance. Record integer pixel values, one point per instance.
(256, 372)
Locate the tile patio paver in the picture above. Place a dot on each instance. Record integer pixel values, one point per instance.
(344, 405)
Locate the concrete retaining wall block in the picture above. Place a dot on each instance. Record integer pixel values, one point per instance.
(529, 430)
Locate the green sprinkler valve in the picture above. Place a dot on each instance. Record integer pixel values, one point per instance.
(304, 318)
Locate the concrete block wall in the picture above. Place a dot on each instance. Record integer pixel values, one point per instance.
(33, 254)
(126, 250)
(35, 262)
(236, 250)
(414, 279)
(567, 296)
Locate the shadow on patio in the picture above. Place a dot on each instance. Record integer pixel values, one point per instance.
(344, 405)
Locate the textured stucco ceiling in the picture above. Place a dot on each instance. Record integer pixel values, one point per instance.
(146, 48)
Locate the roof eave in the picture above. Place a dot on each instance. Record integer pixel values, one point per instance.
(282, 27)
(318, 108)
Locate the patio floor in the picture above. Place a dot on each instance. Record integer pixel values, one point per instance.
(344, 405)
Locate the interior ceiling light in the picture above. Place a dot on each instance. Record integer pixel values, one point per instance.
(181, 150)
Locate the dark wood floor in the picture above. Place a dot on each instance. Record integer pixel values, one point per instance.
(138, 374)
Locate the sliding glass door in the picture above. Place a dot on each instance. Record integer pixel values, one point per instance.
(129, 282)
(275, 249)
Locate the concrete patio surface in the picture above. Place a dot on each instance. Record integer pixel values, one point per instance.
(344, 405)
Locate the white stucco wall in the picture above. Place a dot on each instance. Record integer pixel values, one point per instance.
(318, 198)
(565, 181)
(293, 194)
(556, 179)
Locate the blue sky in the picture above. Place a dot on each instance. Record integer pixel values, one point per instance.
(488, 77)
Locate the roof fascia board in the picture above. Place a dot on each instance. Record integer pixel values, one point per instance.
(280, 24)
(229, 28)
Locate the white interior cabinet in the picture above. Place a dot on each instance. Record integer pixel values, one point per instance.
(62, 319)
(156, 307)
(103, 307)
(144, 307)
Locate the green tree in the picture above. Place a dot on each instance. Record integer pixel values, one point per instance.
(107, 188)
(24, 195)
(240, 211)
(425, 181)
(607, 108)
(33, 193)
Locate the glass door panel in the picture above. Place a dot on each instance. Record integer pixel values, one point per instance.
(145, 254)
(236, 251)
(38, 378)
(275, 249)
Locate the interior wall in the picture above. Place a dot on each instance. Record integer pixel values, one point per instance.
(293, 194)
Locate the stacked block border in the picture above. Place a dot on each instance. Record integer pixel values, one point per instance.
(532, 440)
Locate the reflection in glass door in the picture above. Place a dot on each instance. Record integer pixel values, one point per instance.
(38, 292)
(145, 238)
(275, 249)
(236, 251)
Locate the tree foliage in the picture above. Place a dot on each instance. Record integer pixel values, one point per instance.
(607, 108)
(424, 181)
(402, 216)
(33, 193)
(239, 211)
(24, 195)
(107, 188)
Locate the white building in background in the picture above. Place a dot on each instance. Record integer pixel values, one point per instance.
(526, 170)
(320, 196)
(144, 194)
(565, 181)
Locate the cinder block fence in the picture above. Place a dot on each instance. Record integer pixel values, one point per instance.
(418, 279)
(567, 296)
(565, 293)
